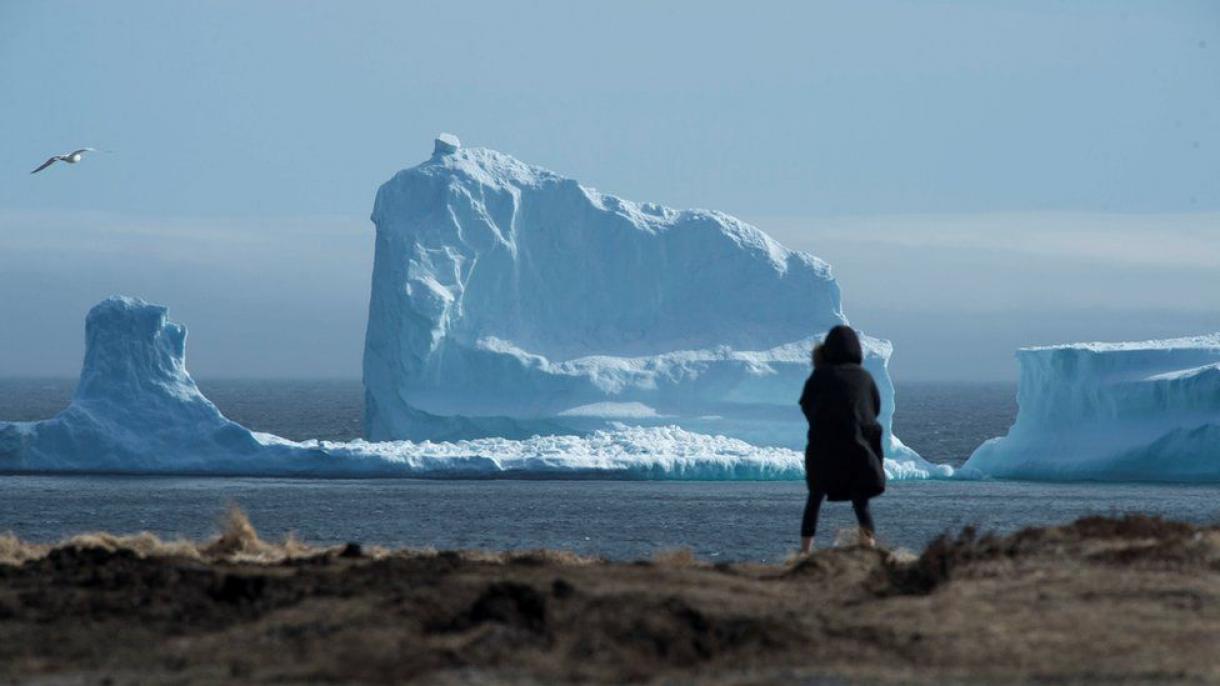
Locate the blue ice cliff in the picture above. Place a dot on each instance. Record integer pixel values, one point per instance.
(1145, 411)
(510, 301)
(136, 409)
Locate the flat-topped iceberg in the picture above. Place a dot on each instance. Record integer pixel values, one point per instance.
(510, 301)
(137, 410)
(1146, 411)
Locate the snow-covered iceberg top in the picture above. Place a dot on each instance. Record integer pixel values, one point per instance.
(137, 410)
(508, 300)
(1209, 342)
(1142, 411)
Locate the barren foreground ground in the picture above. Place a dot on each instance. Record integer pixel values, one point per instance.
(1098, 601)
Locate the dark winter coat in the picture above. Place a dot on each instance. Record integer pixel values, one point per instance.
(843, 457)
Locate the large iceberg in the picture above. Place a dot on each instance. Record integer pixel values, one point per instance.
(510, 301)
(1145, 411)
(137, 410)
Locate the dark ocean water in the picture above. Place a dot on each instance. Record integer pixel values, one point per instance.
(723, 521)
(617, 519)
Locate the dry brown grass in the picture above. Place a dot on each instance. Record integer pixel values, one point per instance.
(677, 558)
(14, 551)
(1098, 601)
(540, 557)
(237, 541)
(240, 542)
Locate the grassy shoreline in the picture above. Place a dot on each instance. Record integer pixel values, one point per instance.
(1133, 599)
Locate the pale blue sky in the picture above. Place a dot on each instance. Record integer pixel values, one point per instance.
(981, 175)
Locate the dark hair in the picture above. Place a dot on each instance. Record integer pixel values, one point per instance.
(841, 346)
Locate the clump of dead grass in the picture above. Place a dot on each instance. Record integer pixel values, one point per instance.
(144, 544)
(543, 556)
(238, 541)
(14, 551)
(677, 558)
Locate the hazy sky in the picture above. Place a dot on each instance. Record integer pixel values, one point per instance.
(981, 175)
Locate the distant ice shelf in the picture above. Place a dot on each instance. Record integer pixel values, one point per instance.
(1145, 411)
(137, 410)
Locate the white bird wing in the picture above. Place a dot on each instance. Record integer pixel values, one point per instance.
(80, 150)
(46, 164)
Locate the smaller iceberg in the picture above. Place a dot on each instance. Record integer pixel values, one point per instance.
(1146, 411)
(137, 410)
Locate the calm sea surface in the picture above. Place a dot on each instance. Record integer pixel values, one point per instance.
(723, 521)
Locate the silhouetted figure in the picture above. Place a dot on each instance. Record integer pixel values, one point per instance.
(843, 458)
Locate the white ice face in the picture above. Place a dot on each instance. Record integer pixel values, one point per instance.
(1146, 411)
(508, 300)
(136, 407)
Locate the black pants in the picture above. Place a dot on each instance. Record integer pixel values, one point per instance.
(809, 522)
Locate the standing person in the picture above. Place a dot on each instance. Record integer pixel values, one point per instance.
(843, 456)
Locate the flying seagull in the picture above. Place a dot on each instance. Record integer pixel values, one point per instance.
(71, 158)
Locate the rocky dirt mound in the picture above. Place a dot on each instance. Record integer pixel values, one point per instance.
(1098, 600)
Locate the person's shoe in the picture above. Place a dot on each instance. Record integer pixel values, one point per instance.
(867, 539)
(806, 547)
